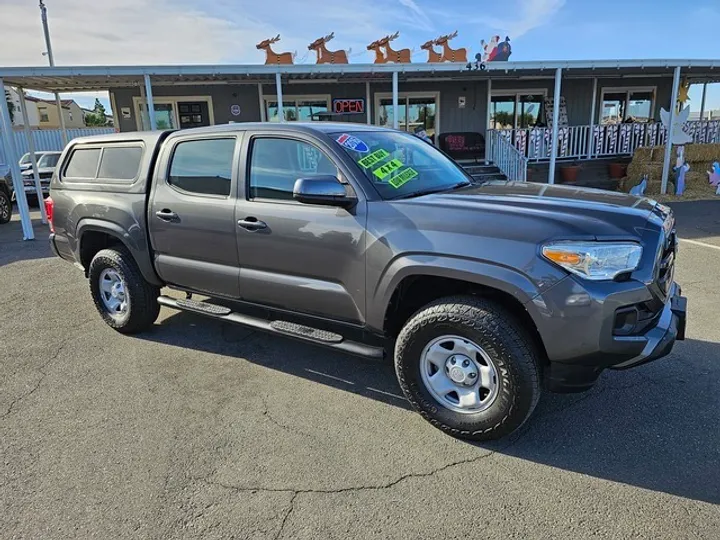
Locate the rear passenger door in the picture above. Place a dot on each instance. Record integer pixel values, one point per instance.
(192, 213)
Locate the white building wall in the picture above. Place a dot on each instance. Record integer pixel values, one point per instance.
(18, 120)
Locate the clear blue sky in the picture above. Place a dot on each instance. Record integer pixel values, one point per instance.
(225, 31)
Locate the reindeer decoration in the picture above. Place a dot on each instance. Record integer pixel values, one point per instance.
(400, 57)
(434, 57)
(451, 55)
(271, 57)
(324, 56)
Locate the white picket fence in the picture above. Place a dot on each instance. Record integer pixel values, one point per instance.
(48, 139)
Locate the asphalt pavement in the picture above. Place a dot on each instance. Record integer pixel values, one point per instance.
(202, 429)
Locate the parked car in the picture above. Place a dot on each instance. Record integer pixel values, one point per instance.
(371, 241)
(46, 167)
(25, 162)
(5, 199)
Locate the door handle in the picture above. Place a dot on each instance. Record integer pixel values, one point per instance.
(166, 215)
(252, 224)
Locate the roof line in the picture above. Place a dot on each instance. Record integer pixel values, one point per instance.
(254, 69)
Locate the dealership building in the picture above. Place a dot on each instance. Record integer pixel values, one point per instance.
(527, 112)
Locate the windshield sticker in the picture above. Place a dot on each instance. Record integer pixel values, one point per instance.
(353, 143)
(373, 159)
(403, 177)
(388, 168)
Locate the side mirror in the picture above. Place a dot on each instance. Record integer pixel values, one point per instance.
(324, 190)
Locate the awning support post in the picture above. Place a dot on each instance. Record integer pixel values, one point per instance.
(592, 119)
(63, 129)
(31, 150)
(150, 102)
(278, 92)
(261, 101)
(12, 157)
(668, 139)
(702, 102)
(367, 103)
(556, 119)
(395, 98)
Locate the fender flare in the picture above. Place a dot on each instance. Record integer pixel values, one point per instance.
(135, 243)
(483, 273)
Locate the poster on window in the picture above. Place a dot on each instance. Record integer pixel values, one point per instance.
(550, 108)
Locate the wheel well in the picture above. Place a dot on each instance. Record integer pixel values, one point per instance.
(92, 242)
(414, 292)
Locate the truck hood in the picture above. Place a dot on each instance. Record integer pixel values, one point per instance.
(546, 210)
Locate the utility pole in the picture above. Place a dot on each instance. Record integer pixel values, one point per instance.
(49, 53)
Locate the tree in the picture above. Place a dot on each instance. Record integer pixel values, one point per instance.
(97, 117)
(11, 105)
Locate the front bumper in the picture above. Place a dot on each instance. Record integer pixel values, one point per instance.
(598, 349)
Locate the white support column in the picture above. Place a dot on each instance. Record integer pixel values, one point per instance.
(668, 141)
(556, 119)
(261, 102)
(368, 111)
(278, 92)
(396, 107)
(488, 122)
(150, 103)
(31, 150)
(63, 129)
(702, 102)
(592, 118)
(8, 142)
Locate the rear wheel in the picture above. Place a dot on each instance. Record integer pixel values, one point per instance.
(5, 207)
(125, 301)
(468, 368)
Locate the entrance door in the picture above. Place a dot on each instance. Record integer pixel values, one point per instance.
(193, 114)
(192, 214)
(304, 258)
(414, 112)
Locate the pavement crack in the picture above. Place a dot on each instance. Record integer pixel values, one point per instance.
(350, 489)
(290, 510)
(267, 414)
(41, 369)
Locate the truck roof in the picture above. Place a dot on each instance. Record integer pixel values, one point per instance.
(152, 137)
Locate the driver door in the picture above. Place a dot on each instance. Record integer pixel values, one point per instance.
(304, 258)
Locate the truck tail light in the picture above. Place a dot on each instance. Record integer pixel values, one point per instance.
(49, 206)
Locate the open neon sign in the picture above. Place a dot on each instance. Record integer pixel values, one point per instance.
(349, 106)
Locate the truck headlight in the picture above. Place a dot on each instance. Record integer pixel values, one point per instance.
(594, 260)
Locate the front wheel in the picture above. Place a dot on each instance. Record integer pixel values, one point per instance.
(125, 301)
(5, 207)
(468, 368)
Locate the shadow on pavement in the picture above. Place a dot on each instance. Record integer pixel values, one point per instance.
(655, 427)
(12, 246)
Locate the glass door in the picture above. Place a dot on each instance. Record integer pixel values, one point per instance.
(164, 116)
(502, 112)
(386, 113)
(530, 108)
(421, 114)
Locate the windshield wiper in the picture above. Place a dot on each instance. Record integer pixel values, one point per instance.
(430, 191)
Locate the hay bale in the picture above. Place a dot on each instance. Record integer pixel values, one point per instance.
(702, 153)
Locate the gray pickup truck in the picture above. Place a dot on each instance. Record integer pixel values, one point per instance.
(374, 242)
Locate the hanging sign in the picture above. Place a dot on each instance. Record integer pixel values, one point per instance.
(349, 106)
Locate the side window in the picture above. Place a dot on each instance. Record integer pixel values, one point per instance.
(276, 164)
(203, 166)
(120, 162)
(83, 163)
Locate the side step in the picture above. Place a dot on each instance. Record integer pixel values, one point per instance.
(284, 328)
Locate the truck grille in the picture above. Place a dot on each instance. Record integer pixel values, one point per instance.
(666, 264)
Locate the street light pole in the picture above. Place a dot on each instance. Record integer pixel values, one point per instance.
(51, 59)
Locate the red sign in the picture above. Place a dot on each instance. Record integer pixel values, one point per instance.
(349, 106)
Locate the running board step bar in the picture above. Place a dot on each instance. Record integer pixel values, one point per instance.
(284, 328)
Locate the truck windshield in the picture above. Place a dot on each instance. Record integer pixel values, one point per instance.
(399, 164)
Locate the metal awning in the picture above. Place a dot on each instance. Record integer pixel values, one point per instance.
(94, 78)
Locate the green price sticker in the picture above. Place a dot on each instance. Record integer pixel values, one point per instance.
(373, 159)
(388, 168)
(403, 177)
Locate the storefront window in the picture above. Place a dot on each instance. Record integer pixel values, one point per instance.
(164, 116)
(631, 105)
(414, 113)
(297, 109)
(515, 110)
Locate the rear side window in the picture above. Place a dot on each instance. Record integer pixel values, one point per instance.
(203, 166)
(83, 163)
(120, 162)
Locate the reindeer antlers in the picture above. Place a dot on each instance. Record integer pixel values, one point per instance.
(330, 36)
(448, 37)
(275, 39)
(394, 36)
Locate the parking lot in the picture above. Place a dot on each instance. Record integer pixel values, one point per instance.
(203, 429)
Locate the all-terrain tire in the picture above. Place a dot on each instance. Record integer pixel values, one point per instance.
(143, 308)
(501, 337)
(5, 207)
